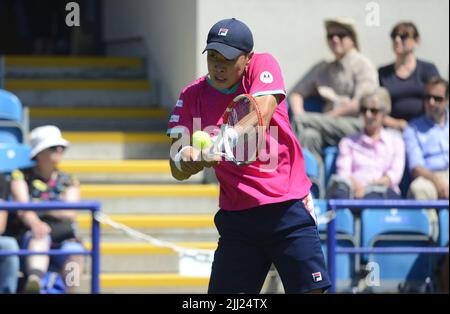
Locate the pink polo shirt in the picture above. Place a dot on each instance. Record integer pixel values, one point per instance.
(278, 174)
(366, 159)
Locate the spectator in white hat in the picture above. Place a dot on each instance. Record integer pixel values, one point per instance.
(51, 229)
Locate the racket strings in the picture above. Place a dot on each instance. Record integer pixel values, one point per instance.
(245, 121)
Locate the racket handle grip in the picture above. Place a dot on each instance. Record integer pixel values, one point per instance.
(216, 146)
(226, 142)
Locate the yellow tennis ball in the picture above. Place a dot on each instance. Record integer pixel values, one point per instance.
(201, 140)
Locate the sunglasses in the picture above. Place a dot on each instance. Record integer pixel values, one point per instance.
(374, 111)
(403, 37)
(340, 35)
(437, 99)
(56, 148)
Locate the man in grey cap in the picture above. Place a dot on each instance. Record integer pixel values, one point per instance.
(339, 84)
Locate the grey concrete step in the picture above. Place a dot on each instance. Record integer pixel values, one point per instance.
(87, 97)
(116, 146)
(157, 205)
(171, 235)
(74, 67)
(144, 178)
(74, 72)
(117, 151)
(111, 124)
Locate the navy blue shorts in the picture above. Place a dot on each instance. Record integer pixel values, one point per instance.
(282, 234)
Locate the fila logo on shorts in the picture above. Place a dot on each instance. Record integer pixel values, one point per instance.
(317, 276)
(223, 32)
(266, 77)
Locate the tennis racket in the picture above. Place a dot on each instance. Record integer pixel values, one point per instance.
(242, 133)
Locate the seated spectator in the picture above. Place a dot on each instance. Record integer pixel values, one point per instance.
(405, 79)
(370, 164)
(340, 84)
(51, 229)
(426, 140)
(9, 265)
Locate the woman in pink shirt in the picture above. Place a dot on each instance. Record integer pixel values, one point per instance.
(371, 163)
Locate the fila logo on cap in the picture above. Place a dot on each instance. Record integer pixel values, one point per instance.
(223, 32)
(266, 77)
(317, 276)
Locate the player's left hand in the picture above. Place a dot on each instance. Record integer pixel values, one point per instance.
(190, 161)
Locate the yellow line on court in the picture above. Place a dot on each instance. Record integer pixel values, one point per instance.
(148, 190)
(98, 113)
(116, 137)
(150, 280)
(54, 61)
(26, 84)
(131, 248)
(153, 221)
(115, 166)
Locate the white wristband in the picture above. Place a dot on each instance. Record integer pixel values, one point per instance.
(177, 158)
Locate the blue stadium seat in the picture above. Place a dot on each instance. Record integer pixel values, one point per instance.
(376, 222)
(10, 107)
(11, 134)
(312, 171)
(330, 154)
(13, 156)
(443, 227)
(398, 228)
(345, 223)
(346, 264)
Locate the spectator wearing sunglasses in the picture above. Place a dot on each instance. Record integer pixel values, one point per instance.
(340, 84)
(41, 231)
(426, 140)
(406, 77)
(370, 164)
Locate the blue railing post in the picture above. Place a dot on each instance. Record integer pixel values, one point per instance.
(95, 274)
(331, 250)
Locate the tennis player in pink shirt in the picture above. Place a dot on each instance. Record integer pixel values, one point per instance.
(266, 213)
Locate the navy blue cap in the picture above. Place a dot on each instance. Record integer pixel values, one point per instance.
(230, 38)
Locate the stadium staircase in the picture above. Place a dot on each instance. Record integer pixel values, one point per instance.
(107, 109)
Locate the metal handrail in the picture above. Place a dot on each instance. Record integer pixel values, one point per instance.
(337, 204)
(92, 206)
